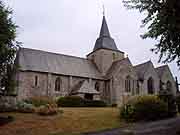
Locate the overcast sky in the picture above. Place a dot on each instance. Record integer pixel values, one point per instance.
(72, 26)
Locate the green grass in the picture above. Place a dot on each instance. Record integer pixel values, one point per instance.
(73, 121)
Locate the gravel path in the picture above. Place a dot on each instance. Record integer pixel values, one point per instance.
(163, 127)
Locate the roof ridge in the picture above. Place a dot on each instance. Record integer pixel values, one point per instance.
(55, 53)
(160, 70)
(142, 63)
(114, 63)
(141, 69)
(162, 66)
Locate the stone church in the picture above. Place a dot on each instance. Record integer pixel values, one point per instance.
(106, 74)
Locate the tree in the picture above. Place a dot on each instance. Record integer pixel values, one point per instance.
(8, 45)
(163, 24)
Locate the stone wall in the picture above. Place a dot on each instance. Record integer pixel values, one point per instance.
(46, 84)
(26, 84)
(111, 90)
(64, 87)
(118, 93)
(153, 74)
(104, 58)
(167, 76)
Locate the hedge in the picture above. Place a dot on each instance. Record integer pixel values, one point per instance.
(94, 103)
(171, 101)
(70, 101)
(75, 101)
(144, 108)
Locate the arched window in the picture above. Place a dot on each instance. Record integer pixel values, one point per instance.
(168, 86)
(137, 87)
(97, 86)
(58, 84)
(36, 81)
(150, 85)
(128, 84)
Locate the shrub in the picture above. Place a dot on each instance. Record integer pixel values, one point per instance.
(5, 107)
(75, 101)
(144, 108)
(48, 109)
(94, 103)
(171, 101)
(70, 101)
(7, 103)
(39, 101)
(24, 107)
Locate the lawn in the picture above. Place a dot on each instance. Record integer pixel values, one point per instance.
(72, 120)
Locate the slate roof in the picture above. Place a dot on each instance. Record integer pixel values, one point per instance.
(161, 69)
(41, 61)
(116, 65)
(104, 29)
(76, 87)
(105, 41)
(142, 68)
(84, 87)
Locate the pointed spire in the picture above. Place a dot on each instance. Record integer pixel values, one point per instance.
(104, 29)
(105, 41)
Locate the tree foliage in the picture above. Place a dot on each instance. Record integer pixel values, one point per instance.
(163, 23)
(8, 44)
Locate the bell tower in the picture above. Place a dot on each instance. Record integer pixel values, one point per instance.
(105, 51)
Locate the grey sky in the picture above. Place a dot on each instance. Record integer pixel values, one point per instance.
(72, 26)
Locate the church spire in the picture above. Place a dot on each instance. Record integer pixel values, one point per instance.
(104, 28)
(105, 41)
